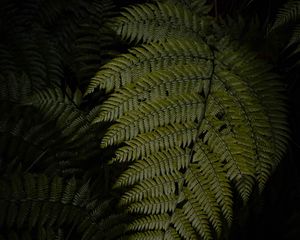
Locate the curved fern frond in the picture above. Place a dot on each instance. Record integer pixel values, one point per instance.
(171, 136)
(150, 188)
(169, 110)
(91, 50)
(42, 68)
(26, 144)
(59, 106)
(168, 82)
(156, 22)
(266, 101)
(128, 68)
(288, 13)
(37, 201)
(296, 34)
(213, 172)
(200, 7)
(77, 135)
(163, 162)
(198, 119)
(14, 88)
(56, 137)
(93, 40)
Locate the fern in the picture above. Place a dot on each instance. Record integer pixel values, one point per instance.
(41, 233)
(56, 136)
(289, 15)
(161, 83)
(191, 122)
(173, 136)
(45, 39)
(93, 43)
(36, 201)
(45, 124)
(141, 22)
(195, 115)
(147, 58)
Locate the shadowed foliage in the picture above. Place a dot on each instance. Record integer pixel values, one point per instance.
(135, 120)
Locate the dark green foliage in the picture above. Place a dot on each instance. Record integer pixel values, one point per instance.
(289, 14)
(47, 140)
(199, 118)
(154, 121)
(35, 201)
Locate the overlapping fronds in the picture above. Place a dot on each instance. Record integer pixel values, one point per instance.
(197, 118)
(149, 22)
(289, 14)
(27, 145)
(25, 52)
(161, 83)
(47, 38)
(58, 137)
(93, 41)
(64, 109)
(175, 135)
(200, 7)
(14, 88)
(41, 233)
(22, 140)
(44, 129)
(45, 61)
(35, 201)
(91, 50)
(42, 66)
(128, 68)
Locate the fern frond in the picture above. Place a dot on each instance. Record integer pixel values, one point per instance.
(267, 103)
(162, 185)
(22, 141)
(150, 222)
(91, 50)
(214, 172)
(163, 162)
(141, 22)
(149, 57)
(296, 34)
(288, 13)
(93, 40)
(57, 137)
(191, 215)
(160, 226)
(162, 204)
(153, 114)
(184, 161)
(200, 196)
(42, 68)
(199, 7)
(172, 81)
(182, 227)
(225, 147)
(14, 88)
(39, 201)
(60, 107)
(171, 136)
